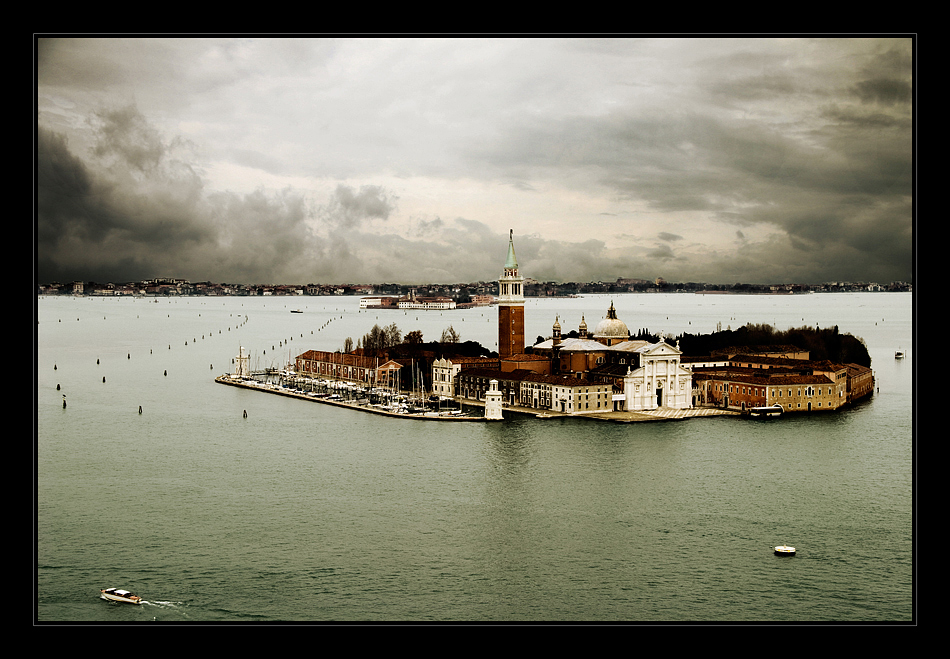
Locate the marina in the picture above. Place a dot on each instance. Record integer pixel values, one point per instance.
(398, 406)
(375, 401)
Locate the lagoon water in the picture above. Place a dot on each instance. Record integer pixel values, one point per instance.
(306, 512)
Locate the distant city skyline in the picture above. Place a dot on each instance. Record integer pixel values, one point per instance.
(408, 161)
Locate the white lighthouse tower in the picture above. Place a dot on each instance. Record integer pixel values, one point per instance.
(493, 401)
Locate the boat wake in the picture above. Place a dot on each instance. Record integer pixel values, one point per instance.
(164, 605)
(176, 607)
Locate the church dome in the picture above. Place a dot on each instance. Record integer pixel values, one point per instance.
(611, 328)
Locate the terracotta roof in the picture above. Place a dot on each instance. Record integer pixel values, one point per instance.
(761, 379)
(758, 350)
(522, 375)
(524, 357)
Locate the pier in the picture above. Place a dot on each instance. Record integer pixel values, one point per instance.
(361, 401)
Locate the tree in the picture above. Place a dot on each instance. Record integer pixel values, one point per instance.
(373, 341)
(414, 337)
(348, 345)
(449, 335)
(380, 339)
(392, 336)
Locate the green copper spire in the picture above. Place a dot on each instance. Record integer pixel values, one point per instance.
(512, 262)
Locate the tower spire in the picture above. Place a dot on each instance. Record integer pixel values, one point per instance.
(512, 262)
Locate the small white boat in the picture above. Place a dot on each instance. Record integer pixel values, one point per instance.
(771, 410)
(899, 354)
(119, 595)
(784, 550)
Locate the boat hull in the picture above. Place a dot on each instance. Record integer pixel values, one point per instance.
(128, 598)
(784, 551)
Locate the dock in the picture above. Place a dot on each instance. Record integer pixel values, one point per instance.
(659, 414)
(270, 388)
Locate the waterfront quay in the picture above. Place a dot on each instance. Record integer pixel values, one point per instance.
(620, 416)
(361, 402)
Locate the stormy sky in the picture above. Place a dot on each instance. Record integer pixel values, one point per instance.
(321, 160)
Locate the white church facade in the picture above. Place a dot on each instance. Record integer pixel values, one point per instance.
(660, 381)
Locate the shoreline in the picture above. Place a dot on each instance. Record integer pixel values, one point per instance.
(661, 414)
(648, 416)
(226, 379)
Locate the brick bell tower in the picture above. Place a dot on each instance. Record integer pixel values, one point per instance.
(510, 306)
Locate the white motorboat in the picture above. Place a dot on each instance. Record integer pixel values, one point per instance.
(784, 550)
(899, 354)
(771, 410)
(119, 595)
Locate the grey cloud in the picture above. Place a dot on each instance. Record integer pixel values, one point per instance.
(348, 208)
(822, 181)
(94, 223)
(661, 253)
(886, 91)
(125, 134)
(427, 228)
(804, 145)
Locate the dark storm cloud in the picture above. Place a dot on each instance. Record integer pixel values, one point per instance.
(886, 80)
(65, 192)
(884, 90)
(130, 212)
(125, 134)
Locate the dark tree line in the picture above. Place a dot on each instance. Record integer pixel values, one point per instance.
(389, 341)
(378, 340)
(822, 344)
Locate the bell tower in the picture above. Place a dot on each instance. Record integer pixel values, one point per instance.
(510, 306)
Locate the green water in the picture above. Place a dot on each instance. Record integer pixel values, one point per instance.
(305, 512)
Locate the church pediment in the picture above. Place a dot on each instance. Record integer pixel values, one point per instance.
(661, 349)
